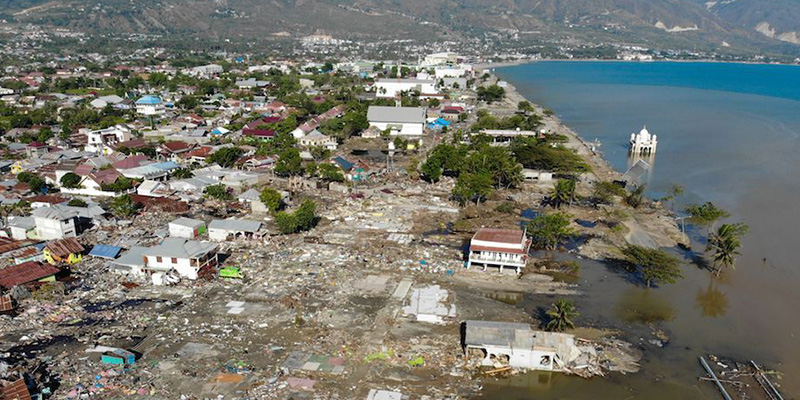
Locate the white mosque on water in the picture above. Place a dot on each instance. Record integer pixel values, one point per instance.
(643, 142)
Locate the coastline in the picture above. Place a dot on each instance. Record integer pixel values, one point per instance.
(503, 64)
(654, 224)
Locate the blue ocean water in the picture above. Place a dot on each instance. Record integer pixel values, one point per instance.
(728, 133)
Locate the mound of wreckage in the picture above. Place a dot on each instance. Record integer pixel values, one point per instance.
(505, 346)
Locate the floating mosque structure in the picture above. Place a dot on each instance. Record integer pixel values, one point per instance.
(643, 142)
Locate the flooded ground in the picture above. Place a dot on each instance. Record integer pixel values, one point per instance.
(726, 140)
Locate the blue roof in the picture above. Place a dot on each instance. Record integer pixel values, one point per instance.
(105, 251)
(442, 122)
(149, 99)
(167, 165)
(346, 165)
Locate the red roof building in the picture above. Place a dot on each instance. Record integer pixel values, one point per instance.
(176, 147)
(26, 272)
(499, 248)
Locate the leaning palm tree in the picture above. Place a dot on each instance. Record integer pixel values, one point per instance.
(563, 192)
(725, 243)
(561, 316)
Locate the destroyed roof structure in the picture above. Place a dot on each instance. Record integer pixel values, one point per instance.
(429, 304)
(519, 346)
(636, 175)
(224, 229)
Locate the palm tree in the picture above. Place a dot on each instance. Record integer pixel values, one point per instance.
(561, 316)
(563, 192)
(725, 242)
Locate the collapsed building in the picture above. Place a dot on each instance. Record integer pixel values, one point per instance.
(505, 344)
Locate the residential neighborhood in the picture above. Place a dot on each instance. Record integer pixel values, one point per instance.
(227, 226)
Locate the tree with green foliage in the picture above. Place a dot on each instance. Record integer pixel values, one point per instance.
(655, 265)
(725, 243)
(431, 170)
(124, 207)
(706, 214)
(330, 172)
(472, 187)
(673, 193)
(289, 163)
(35, 182)
(76, 203)
(561, 316)
(491, 93)
(182, 173)
(272, 199)
(498, 163)
(563, 192)
(312, 169)
(544, 156)
(547, 231)
(188, 102)
(71, 180)
(302, 219)
(120, 185)
(319, 153)
(525, 106)
(636, 197)
(605, 192)
(219, 192)
(226, 157)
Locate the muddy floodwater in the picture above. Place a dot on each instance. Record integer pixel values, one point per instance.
(729, 134)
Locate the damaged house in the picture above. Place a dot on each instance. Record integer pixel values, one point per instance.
(506, 344)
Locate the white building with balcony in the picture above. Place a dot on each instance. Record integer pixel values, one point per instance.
(101, 140)
(502, 248)
(187, 257)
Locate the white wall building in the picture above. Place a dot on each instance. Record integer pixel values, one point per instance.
(187, 228)
(439, 59)
(150, 106)
(317, 138)
(99, 140)
(455, 71)
(186, 257)
(55, 222)
(391, 87)
(401, 121)
(205, 71)
(501, 248)
(644, 142)
(226, 229)
(519, 346)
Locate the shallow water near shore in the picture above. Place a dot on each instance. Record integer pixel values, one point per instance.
(729, 134)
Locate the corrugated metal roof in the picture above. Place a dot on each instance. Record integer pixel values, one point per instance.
(105, 251)
(64, 247)
(396, 114)
(26, 272)
(237, 225)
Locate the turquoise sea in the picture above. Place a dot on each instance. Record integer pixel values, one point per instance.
(729, 134)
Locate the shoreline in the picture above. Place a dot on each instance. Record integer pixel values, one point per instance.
(654, 223)
(504, 64)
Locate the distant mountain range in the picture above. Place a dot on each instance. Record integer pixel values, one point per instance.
(745, 25)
